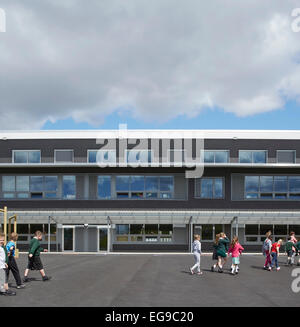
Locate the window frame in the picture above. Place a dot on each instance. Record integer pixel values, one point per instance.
(27, 163)
(112, 164)
(253, 163)
(213, 178)
(214, 151)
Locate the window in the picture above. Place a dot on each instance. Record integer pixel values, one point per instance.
(166, 229)
(209, 188)
(217, 156)
(34, 187)
(257, 233)
(138, 156)
(69, 187)
(104, 187)
(64, 156)
(26, 156)
(122, 229)
(272, 187)
(136, 229)
(246, 156)
(207, 232)
(286, 156)
(144, 233)
(144, 187)
(102, 156)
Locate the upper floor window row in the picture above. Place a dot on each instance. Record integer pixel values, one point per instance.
(147, 156)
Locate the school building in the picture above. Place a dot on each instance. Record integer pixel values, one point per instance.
(150, 190)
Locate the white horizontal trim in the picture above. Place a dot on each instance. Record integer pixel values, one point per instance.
(150, 165)
(164, 133)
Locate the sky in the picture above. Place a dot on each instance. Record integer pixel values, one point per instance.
(165, 64)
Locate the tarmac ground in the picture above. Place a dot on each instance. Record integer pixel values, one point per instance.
(153, 280)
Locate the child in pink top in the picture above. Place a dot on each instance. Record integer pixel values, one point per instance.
(235, 250)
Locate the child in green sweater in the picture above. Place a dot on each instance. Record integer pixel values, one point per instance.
(34, 260)
(290, 249)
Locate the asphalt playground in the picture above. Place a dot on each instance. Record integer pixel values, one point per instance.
(151, 280)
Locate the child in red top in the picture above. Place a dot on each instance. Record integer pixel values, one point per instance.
(235, 250)
(275, 254)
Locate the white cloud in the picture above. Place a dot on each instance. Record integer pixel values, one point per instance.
(156, 59)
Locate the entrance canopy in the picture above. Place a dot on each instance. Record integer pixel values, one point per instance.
(160, 217)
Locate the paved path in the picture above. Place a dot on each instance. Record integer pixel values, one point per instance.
(151, 280)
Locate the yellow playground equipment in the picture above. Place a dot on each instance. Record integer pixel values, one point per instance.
(9, 221)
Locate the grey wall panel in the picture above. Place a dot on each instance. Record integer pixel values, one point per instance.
(180, 189)
(93, 187)
(180, 235)
(237, 184)
(79, 239)
(80, 187)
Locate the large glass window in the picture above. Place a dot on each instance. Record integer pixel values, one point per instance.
(246, 156)
(24, 187)
(209, 188)
(26, 156)
(140, 187)
(104, 187)
(144, 233)
(69, 187)
(272, 187)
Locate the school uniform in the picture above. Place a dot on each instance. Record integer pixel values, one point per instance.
(35, 263)
(222, 247)
(12, 264)
(236, 252)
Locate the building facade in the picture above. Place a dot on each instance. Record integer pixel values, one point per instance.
(94, 191)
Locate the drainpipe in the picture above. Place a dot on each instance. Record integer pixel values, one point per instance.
(235, 218)
(109, 222)
(191, 233)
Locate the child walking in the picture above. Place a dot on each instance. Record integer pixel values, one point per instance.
(12, 264)
(197, 254)
(34, 260)
(215, 256)
(221, 251)
(267, 247)
(3, 266)
(275, 254)
(235, 249)
(290, 250)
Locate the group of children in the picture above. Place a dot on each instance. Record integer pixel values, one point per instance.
(8, 262)
(223, 248)
(271, 251)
